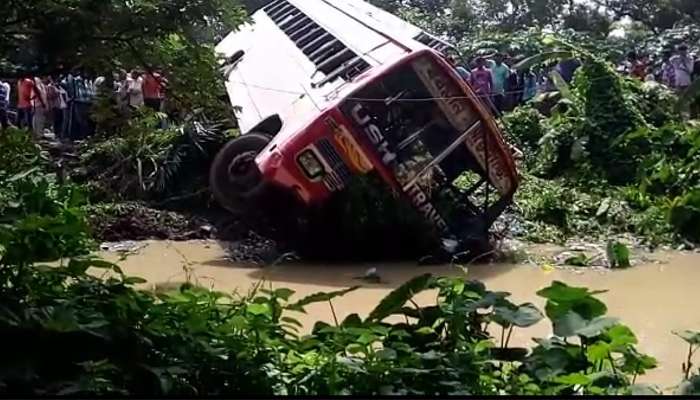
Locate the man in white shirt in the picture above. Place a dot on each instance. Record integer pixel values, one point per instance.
(683, 67)
(4, 103)
(134, 89)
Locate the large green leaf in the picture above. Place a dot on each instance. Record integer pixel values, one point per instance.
(560, 291)
(521, 316)
(621, 336)
(691, 337)
(597, 326)
(598, 352)
(319, 297)
(399, 296)
(562, 86)
(568, 324)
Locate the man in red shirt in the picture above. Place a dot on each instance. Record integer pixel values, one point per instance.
(481, 81)
(153, 90)
(25, 92)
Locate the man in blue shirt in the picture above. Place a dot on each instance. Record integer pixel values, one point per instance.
(500, 73)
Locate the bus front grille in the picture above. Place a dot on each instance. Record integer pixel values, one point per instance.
(339, 175)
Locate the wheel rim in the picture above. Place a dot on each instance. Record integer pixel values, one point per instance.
(242, 173)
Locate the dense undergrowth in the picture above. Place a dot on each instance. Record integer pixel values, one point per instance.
(612, 156)
(92, 332)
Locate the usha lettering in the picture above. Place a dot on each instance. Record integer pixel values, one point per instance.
(372, 131)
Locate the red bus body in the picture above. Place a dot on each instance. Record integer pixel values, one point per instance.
(328, 120)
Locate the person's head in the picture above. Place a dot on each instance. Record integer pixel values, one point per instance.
(480, 62)
(666, 55)
(135, 73)
(631, 55)
(682, 50)
(498, 58)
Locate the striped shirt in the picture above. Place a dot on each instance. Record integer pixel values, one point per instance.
(79, 89)
(4, 95)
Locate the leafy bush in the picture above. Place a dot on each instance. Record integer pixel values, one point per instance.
(524, 128)
(608, 132)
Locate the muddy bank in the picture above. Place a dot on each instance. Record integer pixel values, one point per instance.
(654, 298)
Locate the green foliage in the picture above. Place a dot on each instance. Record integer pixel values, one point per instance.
(18, 152)
(608, 131)
(107, 337)
(524, 129)
(143, 162)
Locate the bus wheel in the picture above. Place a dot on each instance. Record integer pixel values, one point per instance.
(235, 179)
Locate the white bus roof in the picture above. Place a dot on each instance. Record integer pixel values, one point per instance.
(297, 52)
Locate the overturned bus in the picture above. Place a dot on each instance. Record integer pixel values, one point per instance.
(327, 90)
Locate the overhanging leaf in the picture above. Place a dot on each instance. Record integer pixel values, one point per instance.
(691, 337)
(541, 58)
(569, 324)
(562, 86)
(596, 326)
(319, 297)
(399, 296)
(522, 316)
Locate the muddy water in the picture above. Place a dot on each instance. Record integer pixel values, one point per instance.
(653, 299)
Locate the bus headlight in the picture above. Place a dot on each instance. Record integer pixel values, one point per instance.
(310, 164)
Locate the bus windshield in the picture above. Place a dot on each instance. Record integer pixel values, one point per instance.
(418, 119)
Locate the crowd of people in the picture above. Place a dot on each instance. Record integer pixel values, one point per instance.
(502, 87)
(498, 84)
(62, 103)
(676, 71)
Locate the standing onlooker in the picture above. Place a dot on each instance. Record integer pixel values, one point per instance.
(482, 81)
(529, 81)
(81, 93)
(153, 90)
(499, 73)
(4, 103)
(40, 107)
(567, 69)
(134, 88)
(463, 73)
(683, 66)
(514, 91)
(58, 103)
(668, 72)
(638, 66)
(25, 90)
(121, 90)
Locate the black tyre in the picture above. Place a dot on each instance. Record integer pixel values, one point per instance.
(234, 178)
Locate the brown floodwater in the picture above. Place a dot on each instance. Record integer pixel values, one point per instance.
(654, 298)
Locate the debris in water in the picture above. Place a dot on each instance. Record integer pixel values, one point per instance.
(370, 276)
(127, 246)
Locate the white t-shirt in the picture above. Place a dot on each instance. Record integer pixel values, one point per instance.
(135, 90)
(683, 67)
